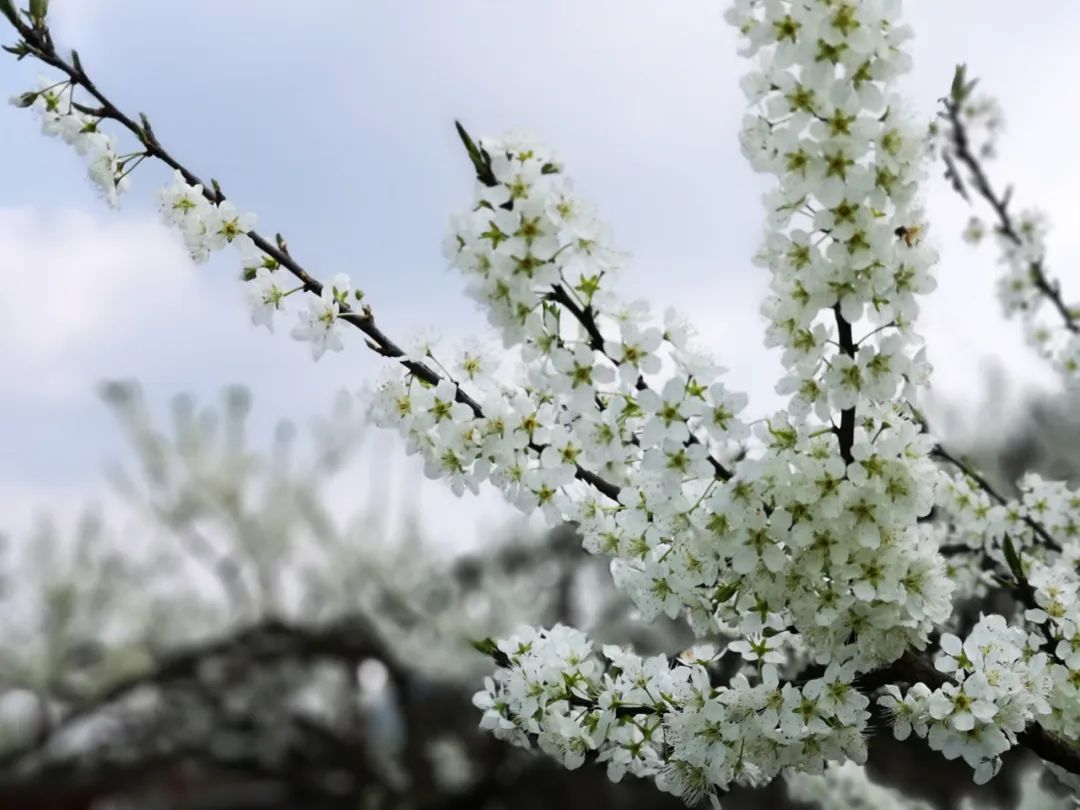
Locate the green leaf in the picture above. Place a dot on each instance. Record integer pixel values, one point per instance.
(7, 8)
(488, 647)
(725, 592)
(481, 160)
(1013, 559)
(39, 9)
(958, 82)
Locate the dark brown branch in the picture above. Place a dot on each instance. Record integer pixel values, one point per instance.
(1045, 744)
(961, 150)
(587, 318)
(41, 46)
(845, 433)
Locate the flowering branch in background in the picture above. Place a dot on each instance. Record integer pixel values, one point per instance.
(807, 545)
(1027, 288)
(245, 629)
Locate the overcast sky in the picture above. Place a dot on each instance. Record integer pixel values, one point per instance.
(332, 120)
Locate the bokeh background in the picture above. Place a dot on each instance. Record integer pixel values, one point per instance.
(333, 121)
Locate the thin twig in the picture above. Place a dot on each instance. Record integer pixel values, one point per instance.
(41, 46)
(961, 150)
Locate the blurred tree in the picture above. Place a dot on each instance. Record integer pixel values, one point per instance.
(245, 646)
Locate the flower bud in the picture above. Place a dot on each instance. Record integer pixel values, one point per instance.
(39, 9)
(24, 100)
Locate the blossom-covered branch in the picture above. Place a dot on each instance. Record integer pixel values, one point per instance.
(209, 222)
(1021, 238)
(800, 542)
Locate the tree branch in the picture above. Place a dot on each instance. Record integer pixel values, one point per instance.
(352, 638)
(1048, 540)
(962, 152)
(846, 432)
(41, 46)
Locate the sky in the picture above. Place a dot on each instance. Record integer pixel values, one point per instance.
(333, 122)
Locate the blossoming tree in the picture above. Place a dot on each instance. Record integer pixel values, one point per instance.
(821, 548)
(235, 635)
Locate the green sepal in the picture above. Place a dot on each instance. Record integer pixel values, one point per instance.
(20, 49)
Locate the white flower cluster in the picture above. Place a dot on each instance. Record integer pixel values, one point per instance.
(976, 522)
(207, 227)
(1021, 293)
(801, 540)
(846, 235)
(55, 105)
(604, 388)
(828, 545)
(665, 720)
(998, 684)
(1052, 613)
(1056, 507)
(1055, 614)
(808, 548)
(979, 522)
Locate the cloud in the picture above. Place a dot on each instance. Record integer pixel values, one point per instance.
(77, 287)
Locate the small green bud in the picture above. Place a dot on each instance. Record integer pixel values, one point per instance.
(25, 100)
(39, 9)
(358, 295)
(958, 82)
(962, 89)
